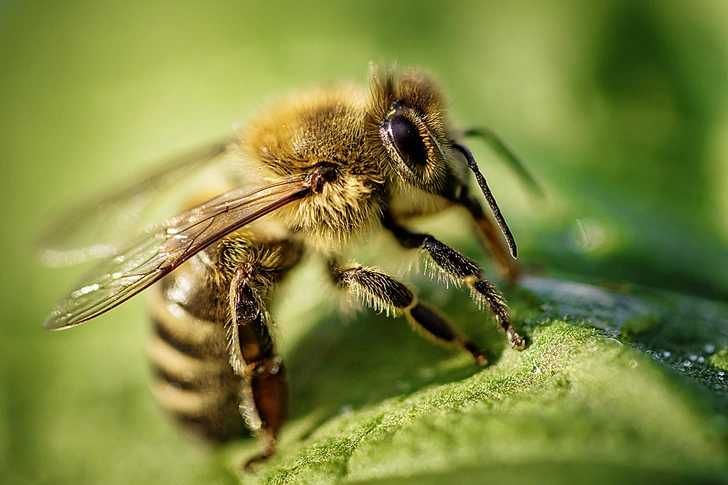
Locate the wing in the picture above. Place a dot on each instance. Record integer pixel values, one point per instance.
(92, 229)
(168, 245)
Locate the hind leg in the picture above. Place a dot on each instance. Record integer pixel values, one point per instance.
(254, 269)
(252, 354)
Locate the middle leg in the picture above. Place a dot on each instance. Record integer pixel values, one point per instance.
(384, 293)
(459, 269)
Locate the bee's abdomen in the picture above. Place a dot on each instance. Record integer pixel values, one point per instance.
(193, 378)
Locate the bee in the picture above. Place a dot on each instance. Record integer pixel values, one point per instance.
(315, 173)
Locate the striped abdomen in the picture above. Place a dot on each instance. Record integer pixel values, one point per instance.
(194, 380)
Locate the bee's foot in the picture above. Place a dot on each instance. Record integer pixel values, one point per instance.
(252, 464)
(478, 354)
(517, 342)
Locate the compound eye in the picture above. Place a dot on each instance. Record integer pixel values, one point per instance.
(413, 152)
(408, 141)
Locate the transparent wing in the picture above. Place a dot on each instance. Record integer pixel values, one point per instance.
(93, 228)
(168, 245)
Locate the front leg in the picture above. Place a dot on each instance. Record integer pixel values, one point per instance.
(459, 269)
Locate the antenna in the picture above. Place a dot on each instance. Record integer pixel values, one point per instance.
(491, 200)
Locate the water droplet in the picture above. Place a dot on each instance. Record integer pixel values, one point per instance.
(402, 386)
(709, 348)
(633, 363)
(666, 354)
(693, 357)
(427, 373)
(701, 359)
(346, 409)
(687, 363)
(587, 235)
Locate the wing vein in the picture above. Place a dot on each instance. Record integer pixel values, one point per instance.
(168, 245)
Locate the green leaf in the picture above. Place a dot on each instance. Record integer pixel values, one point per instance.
(612, 387)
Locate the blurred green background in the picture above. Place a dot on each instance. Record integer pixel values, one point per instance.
(618, 108)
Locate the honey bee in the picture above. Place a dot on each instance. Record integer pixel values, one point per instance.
(316, 173)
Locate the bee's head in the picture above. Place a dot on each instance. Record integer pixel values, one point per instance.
(406, 119)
